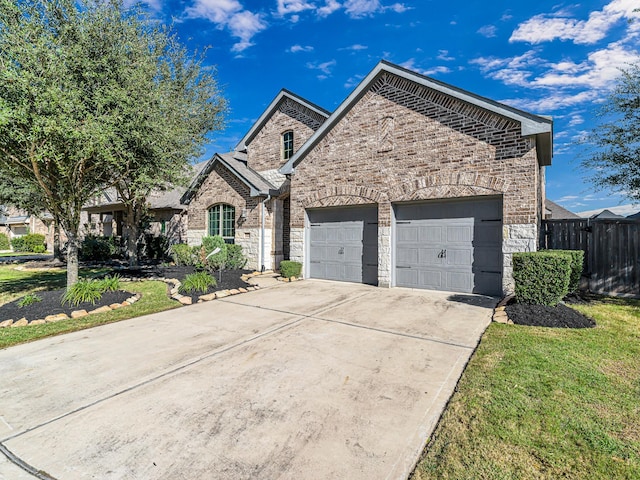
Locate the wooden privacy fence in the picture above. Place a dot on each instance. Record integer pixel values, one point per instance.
(612, 251)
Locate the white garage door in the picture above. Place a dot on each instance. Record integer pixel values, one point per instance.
(450, 245)
(343, 244)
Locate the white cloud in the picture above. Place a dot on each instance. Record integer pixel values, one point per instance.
(398, 7)
(560, 25)
(229, 14)
(576, 119)
(444, 56)
(624, 210)
(361, 8)
(355, 48)
(300, 48)
(552, 101)
(293, 6)
(488, 31)
(411, 65)
(329, 7)
(324, 67)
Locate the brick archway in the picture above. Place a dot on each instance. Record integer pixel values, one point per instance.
(448, 185)
(341, 195)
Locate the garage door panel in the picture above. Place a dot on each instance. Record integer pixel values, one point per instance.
(343, 244)
(458, 246)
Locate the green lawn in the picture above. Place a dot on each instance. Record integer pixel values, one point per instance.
(539, 403)
(15, 283)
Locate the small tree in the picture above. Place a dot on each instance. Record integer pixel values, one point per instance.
(614, 158)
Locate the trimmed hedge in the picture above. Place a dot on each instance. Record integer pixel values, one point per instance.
(32, 242)
(541, 278)
(577, 264)
(96, 248)
(209, 244)
(290, 269)
(182, 254)
(4, 242)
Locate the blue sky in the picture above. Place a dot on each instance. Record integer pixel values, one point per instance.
(545, 57)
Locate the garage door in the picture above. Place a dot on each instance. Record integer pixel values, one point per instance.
(450, 245)
(343, 244)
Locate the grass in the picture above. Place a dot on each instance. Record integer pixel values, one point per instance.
(16, 283)
(538, 403)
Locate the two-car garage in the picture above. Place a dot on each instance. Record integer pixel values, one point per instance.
(451, 245)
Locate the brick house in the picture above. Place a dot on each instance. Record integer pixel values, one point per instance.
(16, 223)
(409, 182)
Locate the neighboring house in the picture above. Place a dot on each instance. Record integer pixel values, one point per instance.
(105, 215)
(17, 223)
(409, 182)
(605, 214)
(635, 216)
(553, 211)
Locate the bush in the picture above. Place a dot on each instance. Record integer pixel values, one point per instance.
(4, 242)
(290, 269)
(95, 248)
(155, 247)
(34, 242)
(235, 257)
(197, 282)
(209, 244)
(18, 244)
(577, 264)
(182, 254)
(83, 291)
(541, 278)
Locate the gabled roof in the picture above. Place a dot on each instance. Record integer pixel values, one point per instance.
(558, 212)
(606, 213)
(531, 124)
(273, 106)
(236, 163)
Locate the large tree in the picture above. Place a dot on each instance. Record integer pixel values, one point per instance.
(614, 145)
(85, 103)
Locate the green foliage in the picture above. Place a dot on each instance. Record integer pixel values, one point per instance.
(110, 283)
(541, 278)
(209, 244)
(17, 243)
(290, 269)
(96, 248)
(4, 242)
(33, 242)
(577, 265)
(614, 157)
(83, 291)
(182, 254)
(29, 299)
(197, 282)
(235, 257)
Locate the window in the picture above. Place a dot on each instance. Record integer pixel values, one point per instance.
(222, 219)
(287, 145)
(163, 227)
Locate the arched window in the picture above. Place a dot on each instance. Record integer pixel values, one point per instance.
(287, 145)
(222, 221)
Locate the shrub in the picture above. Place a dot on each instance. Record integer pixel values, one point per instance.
(18, 245)
(235, 257)
(182, 254)
(155, 247)
(34, 242)
(209, 244)
(577, 264)
(28, 299)
(4, 242)
(110, 283)
(83, 291)
(290, 269)
(197, 282)
(95, 248)
(541, 278)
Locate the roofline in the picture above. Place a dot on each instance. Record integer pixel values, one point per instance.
(530, 124)
(196, 183)
(262, 120)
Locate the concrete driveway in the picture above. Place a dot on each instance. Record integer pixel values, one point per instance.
(310, 379)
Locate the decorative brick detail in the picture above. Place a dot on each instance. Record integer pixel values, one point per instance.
(264, 150)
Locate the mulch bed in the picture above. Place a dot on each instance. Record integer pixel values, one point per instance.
(51, 305)
(559, 316)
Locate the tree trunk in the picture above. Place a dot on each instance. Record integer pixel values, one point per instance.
(57, 252)
(133, 218)
(72, 260)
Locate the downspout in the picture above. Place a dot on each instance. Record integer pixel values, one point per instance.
(262, 243)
